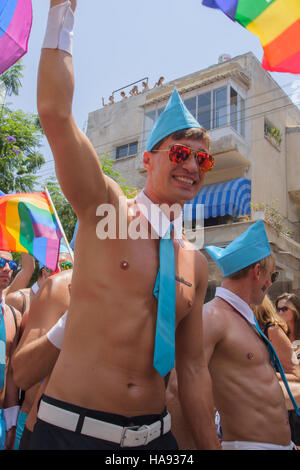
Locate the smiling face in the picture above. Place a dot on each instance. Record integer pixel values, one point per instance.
(169, 182)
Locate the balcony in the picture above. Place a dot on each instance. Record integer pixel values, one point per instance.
(230, 154)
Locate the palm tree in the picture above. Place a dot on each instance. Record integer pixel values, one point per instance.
(11, 79)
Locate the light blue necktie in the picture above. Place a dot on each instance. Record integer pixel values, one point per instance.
(2, 348)
(276, 362)
(164, 291)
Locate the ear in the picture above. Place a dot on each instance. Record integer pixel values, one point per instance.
(147, 157)
(256, 271)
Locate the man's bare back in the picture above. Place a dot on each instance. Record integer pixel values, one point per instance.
(243, 385)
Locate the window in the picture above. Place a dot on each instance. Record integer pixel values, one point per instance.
(191, 105)
(220, 107)
(237, 112)
(126, 150)
(149, 121)
(215, 108)
(204, 110)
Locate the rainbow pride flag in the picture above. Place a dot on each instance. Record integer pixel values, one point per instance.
(28, 225)
(15, 27)
(275, 22)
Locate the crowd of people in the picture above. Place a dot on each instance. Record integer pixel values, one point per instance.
(31, 312)
(120, 352)
(133, 91)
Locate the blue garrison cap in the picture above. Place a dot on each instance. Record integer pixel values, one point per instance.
(175, 117)
(250, 247)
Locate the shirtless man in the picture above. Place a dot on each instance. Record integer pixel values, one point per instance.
(105, 368)
(35, 355)
(9, 394)
(246, 390)
(21, 298)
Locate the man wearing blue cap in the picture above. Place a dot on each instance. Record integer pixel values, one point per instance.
(246, 389)
(107, 389)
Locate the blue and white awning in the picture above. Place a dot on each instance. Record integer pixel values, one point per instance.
(229, 197)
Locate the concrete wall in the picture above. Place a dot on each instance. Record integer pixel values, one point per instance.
(269, 164)
(293, 173)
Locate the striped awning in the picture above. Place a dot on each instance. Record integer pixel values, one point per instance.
(229, 197)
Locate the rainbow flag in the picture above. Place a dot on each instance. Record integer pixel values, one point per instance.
(15, 27)
(275, 22)
(28, 225)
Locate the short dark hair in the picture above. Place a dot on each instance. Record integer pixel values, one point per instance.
(193, 133)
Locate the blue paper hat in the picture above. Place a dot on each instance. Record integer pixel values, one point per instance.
(250, 247)
(175, 117)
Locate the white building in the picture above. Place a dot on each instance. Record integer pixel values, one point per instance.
(255, 131)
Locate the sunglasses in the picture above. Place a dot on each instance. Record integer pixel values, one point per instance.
(274, 276)
(12, 264)
(66, 265)
(179, 153)
(282, 309)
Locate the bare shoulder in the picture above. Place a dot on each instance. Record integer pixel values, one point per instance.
(54, 285)
(214, 317)
(16, 298)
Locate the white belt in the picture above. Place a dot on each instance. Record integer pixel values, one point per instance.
(131, 436)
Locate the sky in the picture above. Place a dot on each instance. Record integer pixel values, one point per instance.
(117, 43)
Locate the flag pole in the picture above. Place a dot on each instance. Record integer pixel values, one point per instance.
(59, 223)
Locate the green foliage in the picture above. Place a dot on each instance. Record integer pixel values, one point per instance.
(20, 136)
(107, 168)
(19, 156)
(11, 79)
(272, 216)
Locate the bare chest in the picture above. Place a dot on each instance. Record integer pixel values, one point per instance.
(243, 345)
(128, 269)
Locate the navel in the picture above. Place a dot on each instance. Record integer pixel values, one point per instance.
(250, 356)
(124, 265)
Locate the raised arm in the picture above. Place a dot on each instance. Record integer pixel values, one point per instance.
(23, 277)
(77, 165)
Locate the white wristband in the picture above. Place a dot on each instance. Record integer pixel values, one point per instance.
(56, 334)
(59, 32)
(11, 416)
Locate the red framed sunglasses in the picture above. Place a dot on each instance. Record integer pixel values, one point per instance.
(179, 153)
